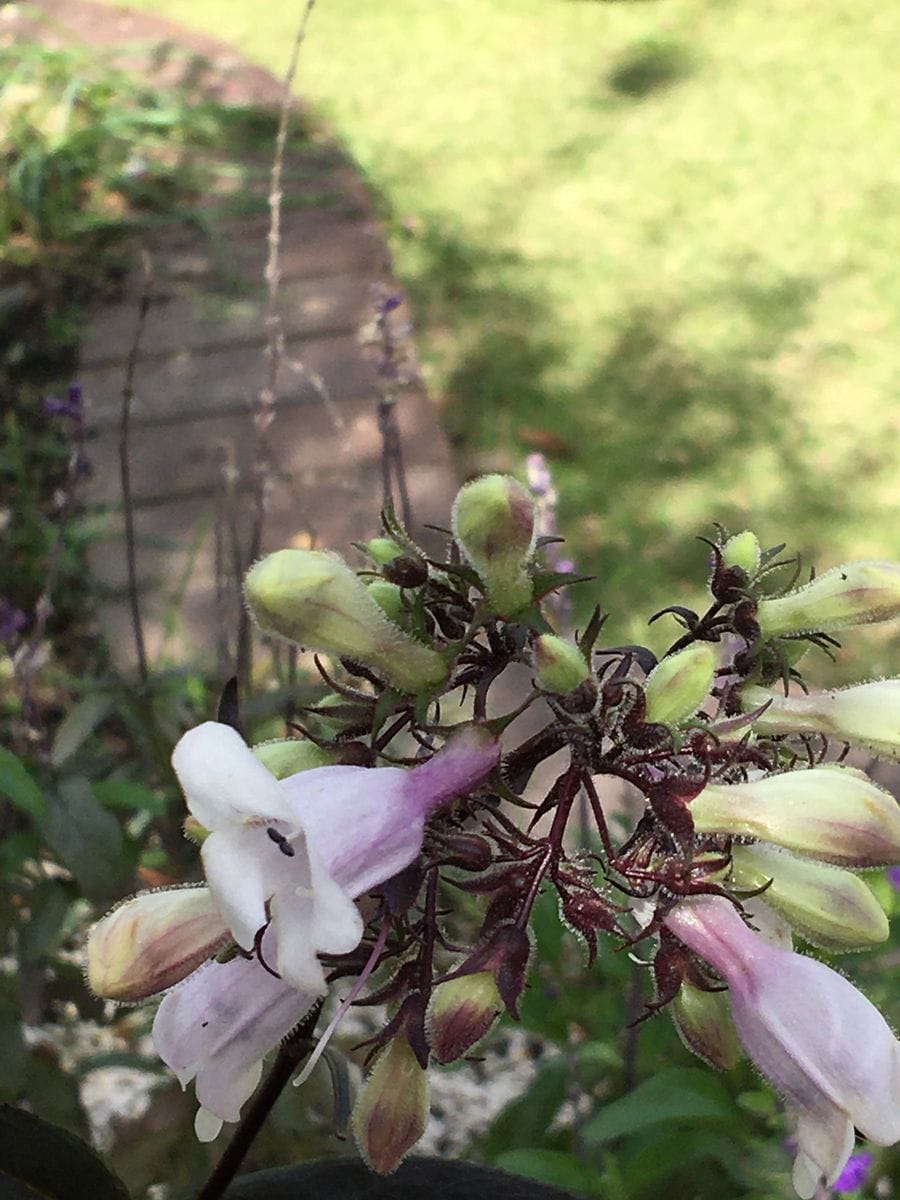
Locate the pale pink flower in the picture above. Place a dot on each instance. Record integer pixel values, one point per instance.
(290, 857)
(820, 1042)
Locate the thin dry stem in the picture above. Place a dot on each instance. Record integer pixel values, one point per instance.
(265, 401)
(125, 469)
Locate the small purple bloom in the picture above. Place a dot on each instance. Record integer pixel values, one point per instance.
(12, 620)
(854, 1174)
(893, 875)
(72, 406)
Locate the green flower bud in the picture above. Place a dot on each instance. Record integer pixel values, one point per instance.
(389, 599)
(703, 1020)
(558, 664)
(462, 1011)
(287, 756)
(678, 685)
(392, 1107)
(383, 550)
(831, 813)
(312, 597)
(404, 567)
(867, 714)
(493, 522)
(829, 907)
(858, 593)
(742, 550)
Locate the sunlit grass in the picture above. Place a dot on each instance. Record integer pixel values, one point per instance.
(663, 232)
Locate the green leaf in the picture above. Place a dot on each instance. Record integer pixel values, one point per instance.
(556, 1167)
(13, 1052)
(49, 903)
(672, 1154)
(524, 1123)
(675, 1094)
(123, 793)
(87, 839)
(17, 785)
(53, 1163)
(78, 726)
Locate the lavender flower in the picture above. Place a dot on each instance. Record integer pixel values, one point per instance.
(855, 1173)
(12, 621)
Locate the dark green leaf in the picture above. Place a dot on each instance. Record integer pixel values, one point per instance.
(49, 903)
(17, 785)
(556, 1167)
(87, 839)
(78, 726)
(416, 1179)
(52, 1162)
(669, 1153)
(676, 1094)
(524, 1123)
(13, 1052)
(123, 793)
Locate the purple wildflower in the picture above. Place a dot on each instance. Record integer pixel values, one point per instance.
(72, 406)
(893, 874)
(854, 1174)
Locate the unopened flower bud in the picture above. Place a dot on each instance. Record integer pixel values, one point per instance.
(867, 714)
(403, 567)
(743, 551)
(389, 599)
(288, 756)
(858, 593)
(312, 597)
(462, 1011)
(829, 907)
(832, 813)
(392, 1108)
(194, 831)
(493, 522)
(703, 1020)
(559, 665)
(678, 685)
(506, 954)
(153, 941)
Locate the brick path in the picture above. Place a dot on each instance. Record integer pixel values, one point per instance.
(201, 360)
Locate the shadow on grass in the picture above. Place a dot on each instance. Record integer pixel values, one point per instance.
(656, 442)
(651, 66)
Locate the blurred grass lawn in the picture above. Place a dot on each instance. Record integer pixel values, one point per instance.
(660, 232)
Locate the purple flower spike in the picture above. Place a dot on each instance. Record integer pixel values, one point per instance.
(893, 875)
(855, 1173)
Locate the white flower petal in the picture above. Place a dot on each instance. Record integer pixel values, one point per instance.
(206, 1126)
(825, 1138)
(223, 1091)
(223, 781)
(235, 863)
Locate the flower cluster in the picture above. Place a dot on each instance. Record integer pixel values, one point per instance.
(332, 855)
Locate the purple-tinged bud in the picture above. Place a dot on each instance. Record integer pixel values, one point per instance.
(678, 685)
(469, 851)
(392, 1108)
(288, 756)
(704, 1024)
(312, 597)
(559, 665)
(153, 941)
(829, 907)
(832, 813)
(867, 714)
(858, 593)
(460, 1014)
(494, 524)
(506, 954)
(742, 551)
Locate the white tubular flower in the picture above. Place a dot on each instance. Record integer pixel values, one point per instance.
(820, 1042)
(867, 714)
(284, 861)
